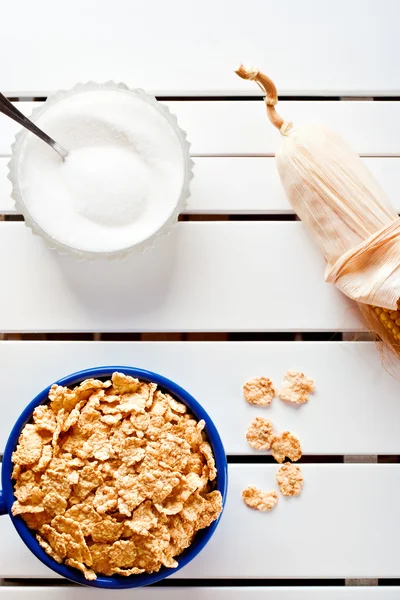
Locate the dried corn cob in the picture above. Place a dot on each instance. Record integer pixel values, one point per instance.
(346, 212)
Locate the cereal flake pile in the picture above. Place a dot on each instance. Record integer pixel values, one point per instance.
(115, 477)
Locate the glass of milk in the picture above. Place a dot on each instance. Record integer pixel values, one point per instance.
(124, 182)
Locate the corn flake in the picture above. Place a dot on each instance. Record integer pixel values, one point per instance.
(206, 451)
(260, 433)
(285, 445)
(89, 574)
(30, 444)
(259, 499)
(107, 530)
(124, 384)
(290, 479)
(105, 499)
(259, 391)
(296, 387)
(143, 520)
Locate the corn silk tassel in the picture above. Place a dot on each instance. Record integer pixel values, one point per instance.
(346, 212)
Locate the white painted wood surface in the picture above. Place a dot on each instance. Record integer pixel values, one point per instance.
(242, 127)
(213, 276)
(6, 202)
(353, 391)
(208, 593)
(309, 47)
(342, 525)
(234, 185)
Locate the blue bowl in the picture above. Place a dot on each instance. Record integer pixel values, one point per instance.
(28, 536)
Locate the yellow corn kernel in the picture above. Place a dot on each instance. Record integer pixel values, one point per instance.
(389, 324)
(383, 316)
(396, 330)
(378, 310)
(394, 314)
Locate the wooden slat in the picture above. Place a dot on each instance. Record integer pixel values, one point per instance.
(372, 128)
(345, 47)
(238, 185)
(242, 127)
(353, 390)
(335, 529)
(213, 276)
(206, 593)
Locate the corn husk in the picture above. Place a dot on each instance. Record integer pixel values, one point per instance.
(344, 209)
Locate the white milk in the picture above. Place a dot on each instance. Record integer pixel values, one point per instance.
(121, 181)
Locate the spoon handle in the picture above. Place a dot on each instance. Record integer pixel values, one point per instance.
(9, 109)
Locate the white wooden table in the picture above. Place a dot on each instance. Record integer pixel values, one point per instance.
(237, 290)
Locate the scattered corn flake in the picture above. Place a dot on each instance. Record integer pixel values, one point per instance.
(260, 433)
(290, 479)
(259, 391)
(285, 445)
(259, 499)
(114, 477)
(296, 387)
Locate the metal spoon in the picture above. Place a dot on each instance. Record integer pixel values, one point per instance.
(9, 109)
